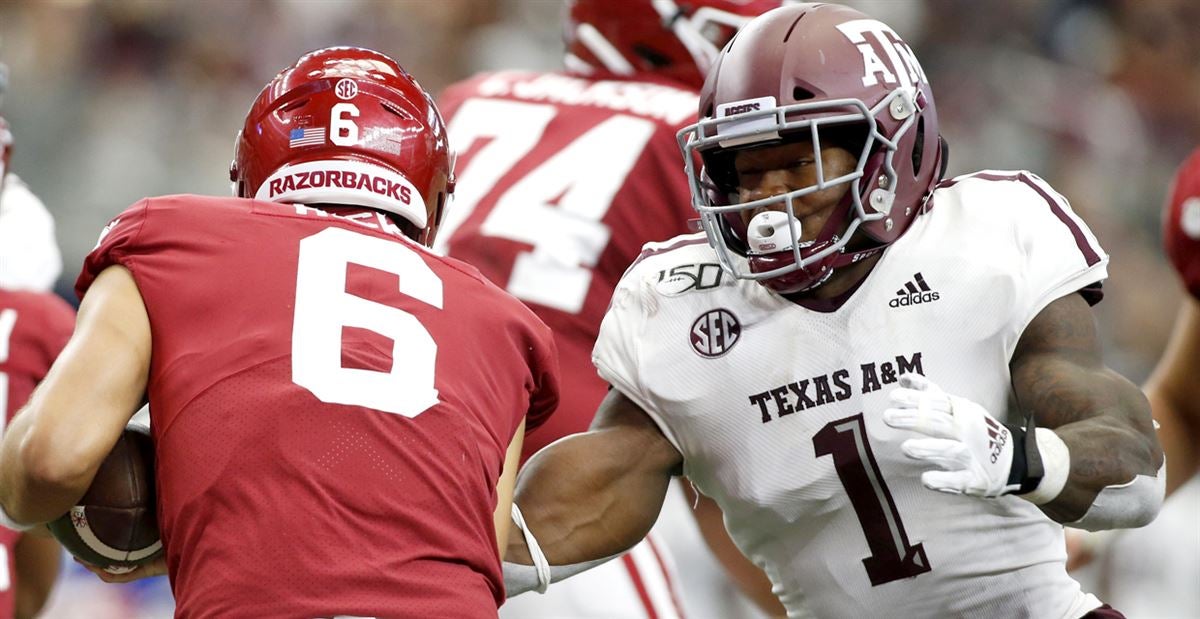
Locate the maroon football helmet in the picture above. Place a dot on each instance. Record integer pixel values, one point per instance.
(347, 125)
(802, 72)
(675, 39)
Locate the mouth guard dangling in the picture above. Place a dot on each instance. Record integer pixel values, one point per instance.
(769, 232)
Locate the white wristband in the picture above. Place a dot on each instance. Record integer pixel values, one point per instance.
(1056, 466)
(535, 550)
(7, 522)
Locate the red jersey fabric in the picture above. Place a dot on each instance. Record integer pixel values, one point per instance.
(34, 328)
(562, 179)
(331, 405)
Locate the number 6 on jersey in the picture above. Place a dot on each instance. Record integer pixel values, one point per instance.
(324, 308)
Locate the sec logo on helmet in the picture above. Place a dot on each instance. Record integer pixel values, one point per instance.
(346, 89)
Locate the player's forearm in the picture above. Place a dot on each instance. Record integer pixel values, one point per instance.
(1174, 395)
(33, 488)
(584, 502)
(1113, 457)
(1179, 433)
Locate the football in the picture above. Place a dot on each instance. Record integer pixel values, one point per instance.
(115, 525)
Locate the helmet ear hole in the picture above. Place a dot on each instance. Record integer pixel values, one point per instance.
(944, 152)
(801, 94)
(918, 151)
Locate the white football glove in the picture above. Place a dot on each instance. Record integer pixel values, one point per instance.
(973, 450)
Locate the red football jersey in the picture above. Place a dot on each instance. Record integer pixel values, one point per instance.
(34, 328)
(562, 179)
(1181, 223)
(331, 405)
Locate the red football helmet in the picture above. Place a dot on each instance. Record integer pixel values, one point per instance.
(1181, 223)
(678, 40)
(347, 125)
(801, 72)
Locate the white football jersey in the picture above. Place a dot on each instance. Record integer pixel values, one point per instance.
(29, 256)
(777, 408)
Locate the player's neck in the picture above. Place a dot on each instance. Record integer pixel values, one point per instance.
(842, 280)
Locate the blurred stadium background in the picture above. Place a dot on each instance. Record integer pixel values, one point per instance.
(112, 101)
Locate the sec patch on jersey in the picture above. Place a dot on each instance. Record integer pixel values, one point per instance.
(115, 525)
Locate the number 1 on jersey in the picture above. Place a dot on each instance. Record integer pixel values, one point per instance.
(892, 557)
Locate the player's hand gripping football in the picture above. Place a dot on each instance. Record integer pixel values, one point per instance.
(973, 450)
(157, 567)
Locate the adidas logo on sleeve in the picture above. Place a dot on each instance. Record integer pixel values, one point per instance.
(914, 292)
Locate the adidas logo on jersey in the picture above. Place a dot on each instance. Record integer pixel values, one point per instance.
(997, 437)
(914, 292)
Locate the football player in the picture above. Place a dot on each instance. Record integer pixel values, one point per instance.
(34, 327)
(843, 393)
(29, 255)
(563, 178)
(1172, 388)
(337, 412)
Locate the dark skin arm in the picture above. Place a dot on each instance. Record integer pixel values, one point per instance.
(595, 494)
(1059, 376)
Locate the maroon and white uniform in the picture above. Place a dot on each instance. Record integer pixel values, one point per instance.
(777, 405)
(34, 328)
(331, 407)
(562, 179)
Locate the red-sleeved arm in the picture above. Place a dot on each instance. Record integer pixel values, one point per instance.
(543, 398)
(117, 245)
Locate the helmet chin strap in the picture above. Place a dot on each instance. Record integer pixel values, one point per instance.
(604, 51)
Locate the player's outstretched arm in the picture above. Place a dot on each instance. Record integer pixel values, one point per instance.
(591, 496)
(1174, 393)
(1112, 456)
(54, 445)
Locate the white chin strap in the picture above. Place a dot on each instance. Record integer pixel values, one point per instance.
(345, 182)
(604, 51)
(687, 30)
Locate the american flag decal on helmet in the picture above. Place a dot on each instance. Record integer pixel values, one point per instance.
(310, 136)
